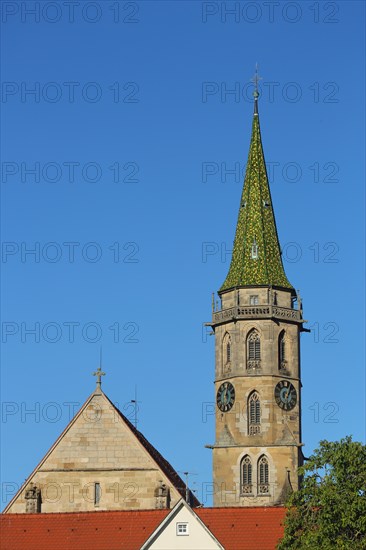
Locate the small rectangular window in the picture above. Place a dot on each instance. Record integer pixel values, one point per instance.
(97, 494)
(254, 252)
(182, 529)
(253, 300)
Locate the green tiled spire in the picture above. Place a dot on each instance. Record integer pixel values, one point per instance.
(256, 259)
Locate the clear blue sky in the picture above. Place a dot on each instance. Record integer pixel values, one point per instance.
(132, 133)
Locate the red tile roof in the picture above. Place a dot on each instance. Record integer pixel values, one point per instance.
(82, 531)
(236, 529)
(254, 528)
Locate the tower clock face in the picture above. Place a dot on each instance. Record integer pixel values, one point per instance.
(225, 397)
(285, 395)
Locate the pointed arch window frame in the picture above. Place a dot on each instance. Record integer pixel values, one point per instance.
(226, 353)
(282, 362)
(254, 413)
(263, 476)
(253, 349)
(246, 475)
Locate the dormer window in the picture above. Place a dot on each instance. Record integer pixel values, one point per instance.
(254, 252)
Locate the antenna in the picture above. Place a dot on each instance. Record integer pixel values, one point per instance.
(187, 489)
(135, 401)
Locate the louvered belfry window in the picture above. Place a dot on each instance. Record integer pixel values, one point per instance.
(246, 475)
(253, 350)
(263, 475)
(282, 351)
(228, 352)
(254, 414)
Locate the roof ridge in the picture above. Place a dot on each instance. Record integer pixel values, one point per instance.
(239, 509)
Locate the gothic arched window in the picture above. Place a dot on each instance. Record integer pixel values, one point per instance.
(253, 350)
(246, 475)
(254, 414)
(263, 475)
(282, 351)
(226, 353)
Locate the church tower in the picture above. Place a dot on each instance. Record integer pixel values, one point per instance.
(257, 340)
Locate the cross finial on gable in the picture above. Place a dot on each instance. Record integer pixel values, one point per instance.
(99, 373)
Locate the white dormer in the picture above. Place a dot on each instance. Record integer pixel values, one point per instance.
(182, 529)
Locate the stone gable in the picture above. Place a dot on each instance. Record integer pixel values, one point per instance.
(100, 462)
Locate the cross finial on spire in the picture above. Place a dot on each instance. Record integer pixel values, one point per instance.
(99, 373)
(256, 78)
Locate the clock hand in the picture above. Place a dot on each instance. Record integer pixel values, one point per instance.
(226, 396)
(284, 394)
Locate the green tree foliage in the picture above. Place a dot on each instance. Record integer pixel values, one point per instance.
(329, 510)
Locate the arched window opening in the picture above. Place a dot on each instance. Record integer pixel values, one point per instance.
(254, 414)
(282, 351)
(253, 350)
(246, 475)
(263, 476)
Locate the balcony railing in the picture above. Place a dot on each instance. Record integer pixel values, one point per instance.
(256, 312)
